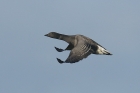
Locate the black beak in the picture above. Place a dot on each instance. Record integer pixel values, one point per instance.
(46, 35)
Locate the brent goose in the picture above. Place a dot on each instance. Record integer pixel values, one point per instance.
(80, 46)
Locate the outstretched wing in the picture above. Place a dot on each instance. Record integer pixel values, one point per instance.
(80, 51)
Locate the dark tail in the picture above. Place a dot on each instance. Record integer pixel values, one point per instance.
(107, 53)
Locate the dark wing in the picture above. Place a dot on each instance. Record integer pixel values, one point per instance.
(80, 51)
(92, 41)
(69, 47)
(59, 49)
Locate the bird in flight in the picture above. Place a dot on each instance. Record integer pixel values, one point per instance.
(80, 46)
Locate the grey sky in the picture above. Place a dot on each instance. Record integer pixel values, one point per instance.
(28, 59)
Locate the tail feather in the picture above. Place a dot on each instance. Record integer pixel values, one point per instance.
(107, 53)
(102, 51)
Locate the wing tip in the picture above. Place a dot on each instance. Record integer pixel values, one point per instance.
(58, 49)
(60, 61)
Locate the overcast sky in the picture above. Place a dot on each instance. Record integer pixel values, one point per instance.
(28, 59)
